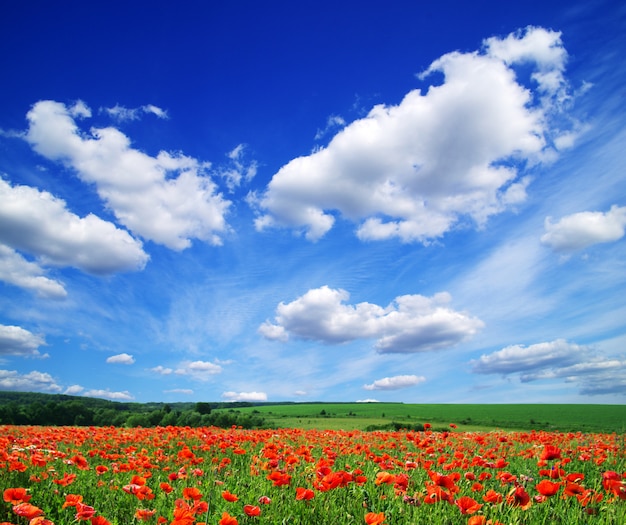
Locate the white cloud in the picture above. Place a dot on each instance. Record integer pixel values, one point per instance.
(107, 394)
(186, 391)
(73, 390)
(238, 169)
(244, 396)
(367, 401)
(411, 323)
(38, 223)
(520, 358)
(122, 114)
(161, 370)
(412, 171)
(395, 382)
(15, 340)
(199, 370)
(16, 270)
(168, 199)
(581, 230)
(594, 373)
(31, 382)
(121, 359)
(333, 122)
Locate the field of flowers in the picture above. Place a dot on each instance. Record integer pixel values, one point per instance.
(185, 476)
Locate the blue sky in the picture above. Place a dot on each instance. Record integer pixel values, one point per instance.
(221, 201)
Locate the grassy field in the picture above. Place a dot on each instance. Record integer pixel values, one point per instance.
(359, 416)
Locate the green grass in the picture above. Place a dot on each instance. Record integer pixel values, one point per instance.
(349, 416)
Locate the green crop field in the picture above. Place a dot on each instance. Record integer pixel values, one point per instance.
(360, 416)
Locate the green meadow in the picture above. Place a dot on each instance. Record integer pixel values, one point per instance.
(467, 417)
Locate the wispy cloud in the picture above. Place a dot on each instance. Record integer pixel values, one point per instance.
(185, 391)
(332, 123)
(122, 114)
(412, 323)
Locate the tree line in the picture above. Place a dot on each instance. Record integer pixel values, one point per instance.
(28, 408)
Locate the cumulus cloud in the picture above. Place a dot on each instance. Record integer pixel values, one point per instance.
(244, 396)
(594, 373)
(411, 323)
(16, 270)
(121, 359)
(199, 370)
(40, 224)
(107, 394)
(414, 170)
(31, 382)
(581, 230)
(168, 199)
(395, 382)
(15, 340)
(122, 114)
(73, 390)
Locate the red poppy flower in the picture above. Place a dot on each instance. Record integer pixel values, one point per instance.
(279, 478)
(491, 496)
(144, 514)
(229, 496)
(192, 493)
(252, 510)
(303, 494)
(547, 488)
(227, 519)
(374, 518)
(28, 511)
(16, 495)
(166, 487)
(40, 520)
(84, 512)
(99, 520)
(519, 498)
(550, 452)
(71, 500)
(467, 505)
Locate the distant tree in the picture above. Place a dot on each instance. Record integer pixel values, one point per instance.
(203, 408)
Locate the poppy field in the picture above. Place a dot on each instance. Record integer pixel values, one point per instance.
(208, 475)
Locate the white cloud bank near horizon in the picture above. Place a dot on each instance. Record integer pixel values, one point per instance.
(395, 382)
(593, 372)
(415, 170)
